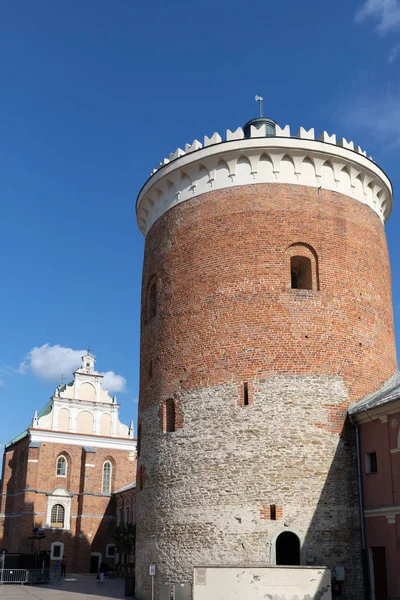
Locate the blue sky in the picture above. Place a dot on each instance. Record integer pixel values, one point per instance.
(94, 93)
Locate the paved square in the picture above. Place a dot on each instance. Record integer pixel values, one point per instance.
(73, 587)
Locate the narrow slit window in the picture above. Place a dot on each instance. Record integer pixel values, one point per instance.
(106, 485)
(272, 512)
(245, 394)
(371, 463)
(301, 273)
(169, 416)
(153, 300)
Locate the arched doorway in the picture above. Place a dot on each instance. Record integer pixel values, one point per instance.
(288, 549)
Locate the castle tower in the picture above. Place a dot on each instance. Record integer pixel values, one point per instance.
(266, 310)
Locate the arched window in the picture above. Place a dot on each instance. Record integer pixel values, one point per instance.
(300, 272)
(61, 466)
(288, 549)
(57, 516)
(303, 265)
(106, 484)
(168, 416)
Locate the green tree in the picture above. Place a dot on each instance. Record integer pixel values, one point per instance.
(124, 539)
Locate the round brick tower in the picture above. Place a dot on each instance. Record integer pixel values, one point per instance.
(266, 310)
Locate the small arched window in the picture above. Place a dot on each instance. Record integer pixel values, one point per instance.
(106, 483)
(61, 466)
(303, 267)
(57, 516)
(300, 272)
(169, 424)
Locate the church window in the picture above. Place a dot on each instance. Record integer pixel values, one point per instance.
(110, 550)
(61, 466)
(57, 516)
(272, 512)
(300, 271)
(127, 511)
(371, 463)
(168, 416)
(119, 517)
(57, 551)
(106, 485)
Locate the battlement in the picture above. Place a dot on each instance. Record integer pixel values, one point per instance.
(255, 132)
(322, 163)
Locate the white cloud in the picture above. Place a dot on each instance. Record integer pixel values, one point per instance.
(113, 382)
(387, 13)
(377, 113)
(393, 54)
(49, 363)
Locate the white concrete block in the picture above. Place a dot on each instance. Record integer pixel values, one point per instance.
(215, 139)
(360, 151)
(178, 152)
(345, 144)
(258, 132)
(285, 132)
(238, 134)
(328, 139)
(195, 145)
(165, 161)
(306, 135)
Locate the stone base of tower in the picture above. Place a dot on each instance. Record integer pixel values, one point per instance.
(288, 465)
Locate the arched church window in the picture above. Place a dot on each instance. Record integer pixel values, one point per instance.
(61, 466)
(106, 484)
(288, 549)
(57, 516)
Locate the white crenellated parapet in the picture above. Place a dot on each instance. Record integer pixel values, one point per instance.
(322, 162)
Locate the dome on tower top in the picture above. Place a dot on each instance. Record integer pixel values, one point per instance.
(258, 122)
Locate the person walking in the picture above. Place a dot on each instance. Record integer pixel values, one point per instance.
(63, 567)
(102, 570)
(57, 571)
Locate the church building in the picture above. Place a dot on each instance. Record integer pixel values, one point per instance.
(61, 472)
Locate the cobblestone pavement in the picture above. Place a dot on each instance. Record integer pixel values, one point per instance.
(73, 587)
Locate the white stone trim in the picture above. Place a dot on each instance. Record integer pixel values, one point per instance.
(33, 460)
(390, 512)
(59, 496)
(52, 557)
(80, 439)
(237, 162)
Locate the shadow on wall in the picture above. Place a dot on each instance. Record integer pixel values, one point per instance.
(334, 535)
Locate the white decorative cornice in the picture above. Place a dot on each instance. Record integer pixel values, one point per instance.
(79, 439)
(301, 160)
(390, 512)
